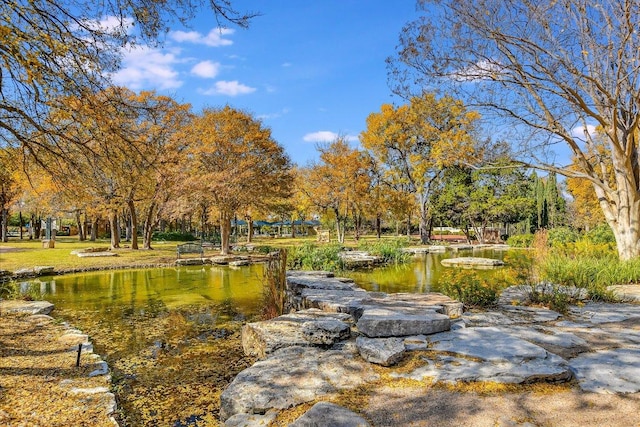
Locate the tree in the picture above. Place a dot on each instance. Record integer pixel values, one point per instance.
(122, 160)
(234, 163)
(9, 186)
(549, 70)
(339, 183)
(413, 143)
(52, 50)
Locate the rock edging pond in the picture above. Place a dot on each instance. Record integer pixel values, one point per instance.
(338, 332)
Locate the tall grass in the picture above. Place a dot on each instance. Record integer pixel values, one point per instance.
(591, 273)
(315, 257)
(391, 250)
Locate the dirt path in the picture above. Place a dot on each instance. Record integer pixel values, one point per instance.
(443, 408)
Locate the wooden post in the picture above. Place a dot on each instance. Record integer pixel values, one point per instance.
(79, 353)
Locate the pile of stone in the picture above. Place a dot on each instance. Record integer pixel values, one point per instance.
(337, 330)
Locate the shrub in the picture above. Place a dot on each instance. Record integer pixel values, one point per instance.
(264, 249)
(602, 234)
(391, 250)
(520, 240)
(562, 235)
(315, 257)
(468, 287)
(174, 236)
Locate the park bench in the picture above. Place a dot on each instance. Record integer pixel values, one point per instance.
(190, 248)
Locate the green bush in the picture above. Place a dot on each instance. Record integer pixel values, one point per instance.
(520, 240)
(600, 235)
(173, 236)
(468, 287)
(562, 235)
(315, 257)
(391, 250)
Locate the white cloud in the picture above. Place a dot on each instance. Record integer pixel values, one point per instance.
(144, 67)
(206, 69)
(232, 88)
(321, 136)
(287, 64)
(215, 38)
(327, 136)
(579, 131)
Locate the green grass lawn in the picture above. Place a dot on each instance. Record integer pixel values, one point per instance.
(17, 254)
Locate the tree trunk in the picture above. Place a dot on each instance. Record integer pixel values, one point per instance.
(36, 225)
(114, 229)
(378, 226)
(249, 228)
(225, 232)
(134, 224)
(81, 235)
(5, 226)
(340, 225)
(424, 224)
(622, 212)
(94, 229)
(21, 221)
(409, 225)
(147, 227)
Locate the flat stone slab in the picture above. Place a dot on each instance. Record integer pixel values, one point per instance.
(598, 313)
(94, 254)
(626, 293)
(26, 307)
(471, 262)
(488, 344)
(312, 282)
(452, 369)
(561, 343)
(381, 351)
(608, 371)
(329, 414)
(304, 328)
(379, 323)
(292, 376)
(339, 301)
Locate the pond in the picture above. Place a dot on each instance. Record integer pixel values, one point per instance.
(172, 336)
(423, 274)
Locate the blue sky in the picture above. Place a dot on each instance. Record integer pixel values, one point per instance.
(310, 70)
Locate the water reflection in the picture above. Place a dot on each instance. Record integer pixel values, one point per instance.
(129, 293)
(419, 276)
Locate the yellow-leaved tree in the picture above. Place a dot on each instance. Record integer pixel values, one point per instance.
(413, 143)
(233, 163)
